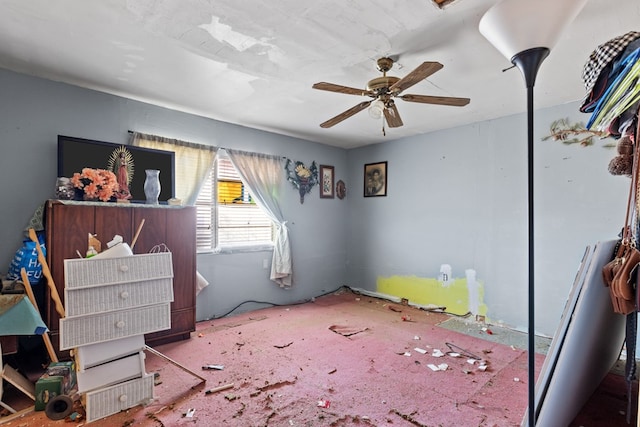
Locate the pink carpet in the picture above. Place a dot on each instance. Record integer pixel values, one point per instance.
(288, 367)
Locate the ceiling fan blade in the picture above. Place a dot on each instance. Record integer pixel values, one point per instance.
(341, 89)
(440, 100)
(345, 114)
(392, 116)
(423, 71)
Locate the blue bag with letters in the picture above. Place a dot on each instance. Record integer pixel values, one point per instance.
(27, 257)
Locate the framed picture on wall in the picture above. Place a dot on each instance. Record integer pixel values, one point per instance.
(326, 182)
(375, 179)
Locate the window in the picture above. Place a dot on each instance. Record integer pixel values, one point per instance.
(227, 216)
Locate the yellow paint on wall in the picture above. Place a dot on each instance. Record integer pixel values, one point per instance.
(453, 295)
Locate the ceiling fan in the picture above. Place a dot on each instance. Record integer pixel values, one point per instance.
(384, 89)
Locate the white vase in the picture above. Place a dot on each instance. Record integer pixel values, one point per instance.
(152, 186)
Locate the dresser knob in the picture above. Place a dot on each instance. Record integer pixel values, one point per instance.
(124, 268)
(123, 398)
(120, 324)
(124, 294)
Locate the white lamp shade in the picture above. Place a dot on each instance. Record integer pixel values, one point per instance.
(513, 26)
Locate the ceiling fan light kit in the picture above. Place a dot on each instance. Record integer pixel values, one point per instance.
(382, 91)
(376, 109)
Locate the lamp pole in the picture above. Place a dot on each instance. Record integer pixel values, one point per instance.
(529, 61)
(524, 32)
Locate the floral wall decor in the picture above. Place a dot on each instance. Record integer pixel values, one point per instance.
(301, 177)
(576, 133)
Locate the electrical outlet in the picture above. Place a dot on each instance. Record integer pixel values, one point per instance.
(265, 263)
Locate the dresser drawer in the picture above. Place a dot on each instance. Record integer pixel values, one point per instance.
(111, 373)
(89, 356)
(83, 273)
(95, 328)
(111, 400)
(79, 301)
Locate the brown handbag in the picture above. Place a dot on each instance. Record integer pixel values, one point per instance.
(623, 282)
(611, 268)
(622, 288)
(620, 273)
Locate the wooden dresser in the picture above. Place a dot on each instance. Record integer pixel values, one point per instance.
(67, 228)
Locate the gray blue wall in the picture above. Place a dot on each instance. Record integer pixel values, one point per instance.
(456, 196)
(34, 111)
(459, 197)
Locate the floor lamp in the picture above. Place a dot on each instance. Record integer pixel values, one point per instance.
(524, 31)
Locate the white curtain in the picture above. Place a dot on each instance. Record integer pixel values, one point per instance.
(263, 175)
(192, 162)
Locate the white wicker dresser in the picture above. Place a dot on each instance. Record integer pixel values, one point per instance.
(110, 303)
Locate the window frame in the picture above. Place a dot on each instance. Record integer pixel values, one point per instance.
(212, 204)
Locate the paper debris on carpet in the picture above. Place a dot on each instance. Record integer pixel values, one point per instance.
(440, 367)
(324, 403)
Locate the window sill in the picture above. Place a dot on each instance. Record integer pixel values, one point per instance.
(225, 250)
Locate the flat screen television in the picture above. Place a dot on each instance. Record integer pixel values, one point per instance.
(74, 154)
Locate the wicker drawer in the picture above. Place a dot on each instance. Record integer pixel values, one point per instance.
(83, 273)
(79, 301)
(90, 329)
(111, 400)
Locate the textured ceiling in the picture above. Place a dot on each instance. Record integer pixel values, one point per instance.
(253, 62)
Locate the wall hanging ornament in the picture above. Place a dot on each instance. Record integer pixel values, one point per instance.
(562, 130)
(341, 190)
(301, 177)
